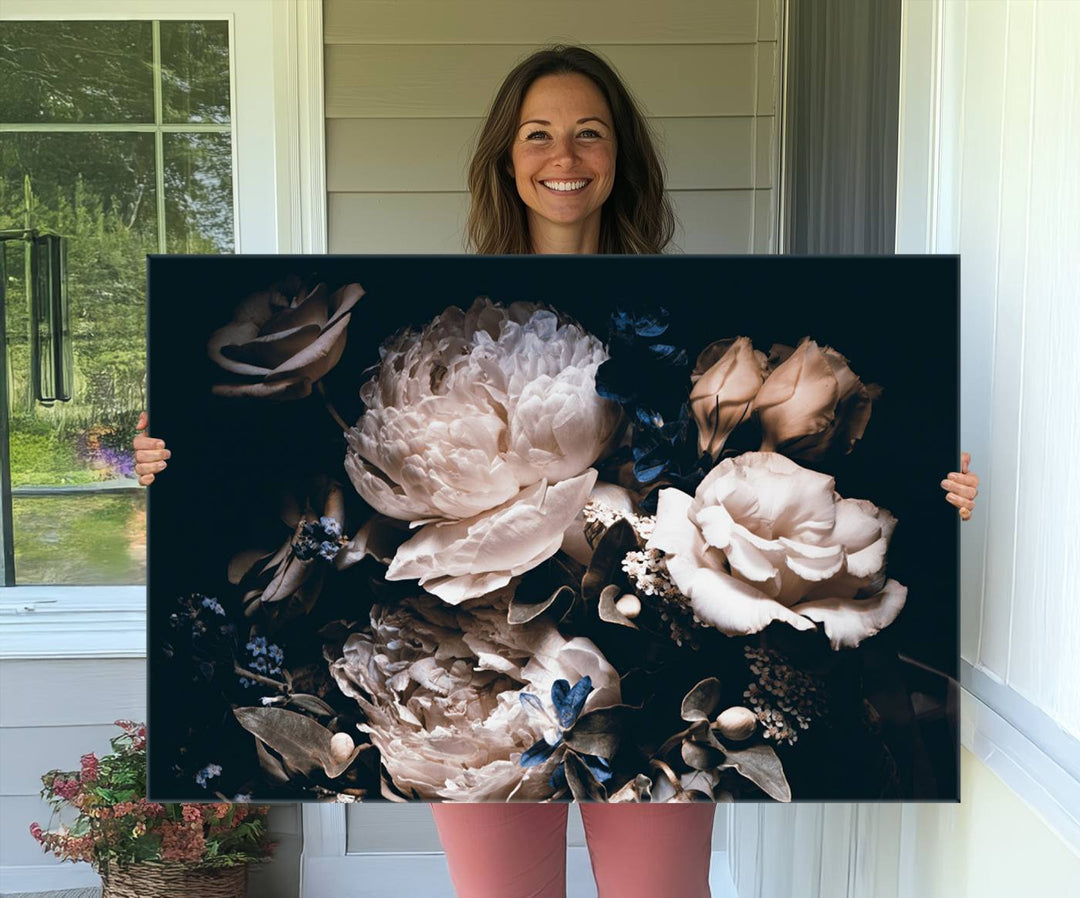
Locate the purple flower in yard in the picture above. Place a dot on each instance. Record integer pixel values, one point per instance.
(118, 462)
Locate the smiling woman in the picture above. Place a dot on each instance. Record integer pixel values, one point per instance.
(562, 117)
(563, 161)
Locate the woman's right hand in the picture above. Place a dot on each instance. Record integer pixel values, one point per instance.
(150, 454)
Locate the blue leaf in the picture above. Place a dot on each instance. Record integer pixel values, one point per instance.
(673, 355)
(557, 780)
(575, 701)
(527, 698)
(599, 767)
(650, 417)
(646, 470)
(560, 689)
(538, 752)
(652, 324)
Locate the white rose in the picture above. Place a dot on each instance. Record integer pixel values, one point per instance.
(478, 413)
(764, 539)
(440, 688)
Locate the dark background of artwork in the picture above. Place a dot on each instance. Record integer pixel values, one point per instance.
(895, 318)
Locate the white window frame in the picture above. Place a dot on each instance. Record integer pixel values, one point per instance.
(280, 207)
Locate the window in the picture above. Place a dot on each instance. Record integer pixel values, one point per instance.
(278, 172)
(117, 136)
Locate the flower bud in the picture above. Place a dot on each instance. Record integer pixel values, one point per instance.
(726, 379)
(811, 402)
(341, 747)
(736, 723)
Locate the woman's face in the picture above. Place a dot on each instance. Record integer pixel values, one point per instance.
(563, 154)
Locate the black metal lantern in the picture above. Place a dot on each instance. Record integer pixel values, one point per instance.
(51, 357)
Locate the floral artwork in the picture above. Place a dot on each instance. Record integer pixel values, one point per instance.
(552, 529)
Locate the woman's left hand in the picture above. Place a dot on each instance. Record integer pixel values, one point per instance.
(961, 487)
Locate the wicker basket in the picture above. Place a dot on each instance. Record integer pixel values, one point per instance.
(155, 880)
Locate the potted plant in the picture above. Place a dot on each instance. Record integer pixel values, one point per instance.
(141, 847)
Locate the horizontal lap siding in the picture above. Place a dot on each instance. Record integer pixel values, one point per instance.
(408, 84)
(709, 221)
(422, 155)
(460, 80)
(53, 712)
(524, 22)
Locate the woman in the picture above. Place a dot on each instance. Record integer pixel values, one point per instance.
(565, 164)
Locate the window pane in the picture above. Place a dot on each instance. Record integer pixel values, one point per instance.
(195, 71)
(81, 540)
(198, 193)
(98, 191)
(76, 72)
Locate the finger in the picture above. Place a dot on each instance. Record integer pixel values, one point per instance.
(146, 479)
(142, 443)
(959, 501)
(153, 467)
(145, 455)
(968, 492)
(965, 514)
(965, 460)
(144, 419)
(964, 479)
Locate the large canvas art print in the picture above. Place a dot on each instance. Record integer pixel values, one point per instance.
(592, 528)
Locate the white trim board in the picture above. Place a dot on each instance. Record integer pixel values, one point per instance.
(39, 622)
(1024, 766)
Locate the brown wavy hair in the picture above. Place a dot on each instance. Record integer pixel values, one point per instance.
(637, 216)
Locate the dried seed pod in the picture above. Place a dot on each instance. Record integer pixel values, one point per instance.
(736, 723)
(629, 605)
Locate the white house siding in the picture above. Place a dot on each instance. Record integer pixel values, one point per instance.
(408, 83)
(53, 711)
(989, 142)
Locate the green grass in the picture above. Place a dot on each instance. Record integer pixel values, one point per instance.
(82, 539)
(41, 459)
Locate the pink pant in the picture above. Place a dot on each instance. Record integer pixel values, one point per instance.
(519, 850)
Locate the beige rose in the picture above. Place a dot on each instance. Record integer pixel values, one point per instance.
(279, 346)
(480, 430)
(726, 378)
(812, 402)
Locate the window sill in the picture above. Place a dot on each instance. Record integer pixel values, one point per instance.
(42, 622)
(1048, 784)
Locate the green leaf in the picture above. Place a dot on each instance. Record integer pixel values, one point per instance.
(599, 732)
(606, 564)
(637, 789)
(701, 702)
(301, 742)
(761, 766)
(311, 703)
(609, 595)
(522, 611)
(583, 785)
